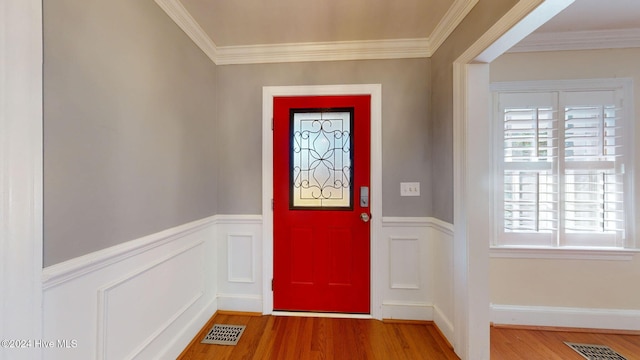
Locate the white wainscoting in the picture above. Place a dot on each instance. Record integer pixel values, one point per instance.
(417, 269)
(239, 241)
(614, 319)
(405, 258)
(148, 297)
(406, 271)
(145, 298)
(407, 280)
(443, 301)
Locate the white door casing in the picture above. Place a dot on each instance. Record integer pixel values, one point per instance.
(21, 163)
(268, 93)
(472, 115)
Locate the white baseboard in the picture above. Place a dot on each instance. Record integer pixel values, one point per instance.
(610, 319)
(181, 339)
(406, 310)
(242, 303)
(443, 323)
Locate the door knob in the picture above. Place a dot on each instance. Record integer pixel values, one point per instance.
(365, 217)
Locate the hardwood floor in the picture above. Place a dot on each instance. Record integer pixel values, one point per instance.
(282, 338)
(302, 338)
(509, 344)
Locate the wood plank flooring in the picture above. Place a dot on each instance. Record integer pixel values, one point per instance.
(302, 338)
(509, 344)
(283, 338)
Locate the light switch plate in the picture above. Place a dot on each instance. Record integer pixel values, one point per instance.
(410, 189)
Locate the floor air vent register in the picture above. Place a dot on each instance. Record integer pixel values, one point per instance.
(224, 334)
(595, 352)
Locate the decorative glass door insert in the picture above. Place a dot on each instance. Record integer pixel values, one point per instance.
(321, 158)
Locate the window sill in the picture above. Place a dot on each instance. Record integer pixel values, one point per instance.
(563, 253)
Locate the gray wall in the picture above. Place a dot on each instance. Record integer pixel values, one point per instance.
(143, 132)
(405, 113)
(129, 131)
(481, 18)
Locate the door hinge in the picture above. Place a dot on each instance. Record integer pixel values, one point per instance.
(271, 204)
(271, 123)
(271, 284)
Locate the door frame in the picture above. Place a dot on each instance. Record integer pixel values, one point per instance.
(268, 93)
(471, 116)
(21, 162)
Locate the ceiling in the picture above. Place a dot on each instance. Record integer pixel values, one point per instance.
(588, 24)
(262, 31)
(259, 22)
(596, 15)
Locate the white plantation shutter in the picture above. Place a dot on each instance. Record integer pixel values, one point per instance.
(593, 185)
(561, 179)
(530, 154)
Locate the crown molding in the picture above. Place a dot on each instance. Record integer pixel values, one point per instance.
(324, 51)
(579, 40)
(451, 19)
(387, 49)
(179, 14)
(318, 51)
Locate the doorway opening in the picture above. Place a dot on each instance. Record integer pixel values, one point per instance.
(374, 91)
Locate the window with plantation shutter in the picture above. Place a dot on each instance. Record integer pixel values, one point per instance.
(560, 166)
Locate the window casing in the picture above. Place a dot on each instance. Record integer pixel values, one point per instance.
(563, 155)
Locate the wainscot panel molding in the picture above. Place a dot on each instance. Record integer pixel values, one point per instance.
(406, 270)
(177, 297)
(145, 298)
(407, 286)
(404, 262)
(416, 275)
(241, 250)
(239, 247)
(148, 297)
(608, 319)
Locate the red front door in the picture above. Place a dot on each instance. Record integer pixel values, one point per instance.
(321, 203)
